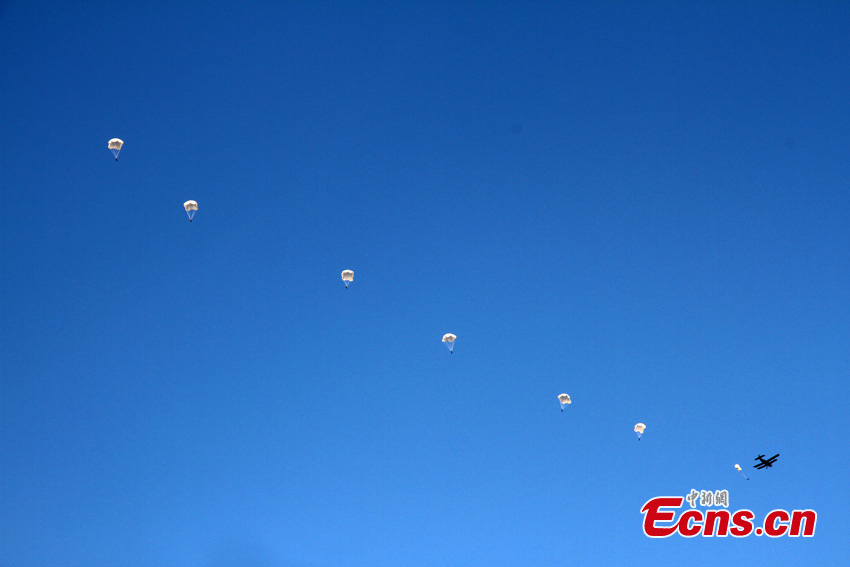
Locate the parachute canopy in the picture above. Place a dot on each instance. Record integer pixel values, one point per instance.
(191, 207)
(564, 399)
(115, 146)
(347, 276)
(639, 429)
(738, 467)
(449, 339)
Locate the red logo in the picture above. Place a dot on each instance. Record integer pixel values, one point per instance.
(660, 520)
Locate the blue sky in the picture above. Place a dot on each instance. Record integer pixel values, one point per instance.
(643, 205)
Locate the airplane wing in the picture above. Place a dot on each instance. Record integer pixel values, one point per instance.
(760, 466)
(773, 459)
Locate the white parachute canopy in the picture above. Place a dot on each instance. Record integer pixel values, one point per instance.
(347, 276)
(449, 339)
(564, 399)
(639, 429)
(115, 146)
(737, 466)
(191, 207)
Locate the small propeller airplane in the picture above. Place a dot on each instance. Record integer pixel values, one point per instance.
(765, 464)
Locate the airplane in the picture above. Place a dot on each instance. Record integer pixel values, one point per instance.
(765, 463)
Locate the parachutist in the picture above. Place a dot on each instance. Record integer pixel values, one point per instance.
(114, 146)
(191, 207)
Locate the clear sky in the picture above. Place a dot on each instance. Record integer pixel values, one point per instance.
(642, 204)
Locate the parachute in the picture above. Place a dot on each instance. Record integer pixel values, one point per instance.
(737, 466)
(449, 339)
(115, 146)
(191, 207)
(347, 276)
(639, 429)
(564, 399)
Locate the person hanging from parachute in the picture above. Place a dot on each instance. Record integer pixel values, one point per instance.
(115, 146)
(737, 466)
(449, 339)
(347, 276)
(564, 399)
(639, 429)
(191, 207)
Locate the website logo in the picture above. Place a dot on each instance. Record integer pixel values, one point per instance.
(660, 518)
